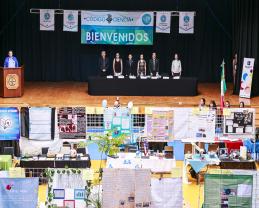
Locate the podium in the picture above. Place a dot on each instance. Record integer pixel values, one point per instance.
(11, 82)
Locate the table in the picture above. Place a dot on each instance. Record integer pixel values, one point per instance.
(82, 163)
(198, 164)
(186, 86)
(5, 162)
(230, 164)
(128, 160)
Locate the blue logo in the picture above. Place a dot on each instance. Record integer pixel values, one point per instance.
(248, 63)
(146, 19)
(186, 19)
(163, 18)
(70, 17)
(46, 16)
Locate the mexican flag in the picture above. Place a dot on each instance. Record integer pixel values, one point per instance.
(223, 86)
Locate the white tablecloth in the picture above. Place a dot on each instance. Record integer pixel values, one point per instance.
(128, 160)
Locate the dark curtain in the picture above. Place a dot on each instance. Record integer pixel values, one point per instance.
(245, 38)
(59, 56)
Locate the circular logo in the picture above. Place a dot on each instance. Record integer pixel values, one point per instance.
(12, 81)
(146, 19)
(163, 18)
(186, 19)
(5, 123)
(70, 17)
(46, 16)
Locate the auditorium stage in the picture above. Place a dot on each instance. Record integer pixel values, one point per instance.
(76, 93)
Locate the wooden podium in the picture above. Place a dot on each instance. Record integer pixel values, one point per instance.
(11, 82)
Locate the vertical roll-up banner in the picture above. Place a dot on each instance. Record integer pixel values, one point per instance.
(186, 22)
(117, 28)
(70, 22)
(163, 22)
(246, 78)
(47, 19)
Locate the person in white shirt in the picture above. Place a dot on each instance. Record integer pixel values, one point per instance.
(142, 66)
(176, 67)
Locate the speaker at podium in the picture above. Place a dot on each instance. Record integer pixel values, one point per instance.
(11, 82)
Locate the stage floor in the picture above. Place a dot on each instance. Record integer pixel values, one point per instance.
(75, 93)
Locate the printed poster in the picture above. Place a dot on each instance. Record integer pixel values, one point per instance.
(9, 124)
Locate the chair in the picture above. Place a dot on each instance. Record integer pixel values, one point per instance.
(44, 150)
(81, 150)
(9, 151)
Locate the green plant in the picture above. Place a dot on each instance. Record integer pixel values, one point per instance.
(107, 144)
(81, 144)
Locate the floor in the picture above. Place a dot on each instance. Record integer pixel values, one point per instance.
(75, 93)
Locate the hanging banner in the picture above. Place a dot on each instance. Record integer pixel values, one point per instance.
(163, 22)
(70, 21)
(117, 28)
(19, 192)
(186, 22)
(246, 78)
(47, 19)
(9, 124)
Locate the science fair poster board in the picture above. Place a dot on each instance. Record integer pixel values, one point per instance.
(9, 124)
(239, 122)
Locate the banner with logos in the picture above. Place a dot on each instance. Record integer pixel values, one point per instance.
(19, 192)
(163, 22)
(70, 21)
(246, 78)
(186, 22)
(9, 124)
(47, 19)
(117, 28)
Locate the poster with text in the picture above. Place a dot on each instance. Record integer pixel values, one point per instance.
(246, 78)
(117, 28)
(9, 124)
(19, 192)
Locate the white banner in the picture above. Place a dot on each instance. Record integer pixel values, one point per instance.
(186, 22)
(163, 22)
(247, 77)
(47, 19)
(70, 22)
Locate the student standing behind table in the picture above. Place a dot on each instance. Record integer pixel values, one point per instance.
(103, 64)
(142, 66)
(154, 65)
(117, 65)
(176, 67)
(202, 103)
(130, 66)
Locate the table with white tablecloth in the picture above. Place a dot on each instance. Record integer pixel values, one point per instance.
(129, 160)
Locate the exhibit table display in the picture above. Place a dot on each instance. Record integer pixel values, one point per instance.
(238, 164)
(129, 160)
(84, 162)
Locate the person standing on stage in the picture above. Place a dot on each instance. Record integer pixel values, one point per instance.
(202, 103)
(117, 65)
(11, 61)
(130, 66)
(234, 66)
(176, 67)
(142, 66)
(103, 64)
(154, 65)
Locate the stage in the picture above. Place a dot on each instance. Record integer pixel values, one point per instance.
(76, 93)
